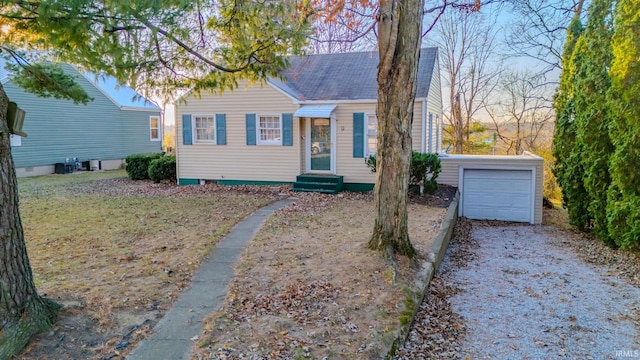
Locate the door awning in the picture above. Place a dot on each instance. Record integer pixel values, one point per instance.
(315, 111)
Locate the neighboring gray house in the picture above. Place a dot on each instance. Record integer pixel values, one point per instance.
(117, 123)
(320, 119)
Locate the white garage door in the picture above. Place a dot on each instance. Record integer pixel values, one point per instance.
(497, 194)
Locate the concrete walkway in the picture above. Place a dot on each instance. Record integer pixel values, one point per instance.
(172, 336)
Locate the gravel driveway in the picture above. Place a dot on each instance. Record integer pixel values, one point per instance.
(518, 292)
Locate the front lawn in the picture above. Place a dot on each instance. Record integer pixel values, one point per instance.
(105, 245)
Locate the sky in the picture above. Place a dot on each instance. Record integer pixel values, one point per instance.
(504, 19)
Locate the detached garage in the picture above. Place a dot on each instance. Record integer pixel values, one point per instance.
(505, 188)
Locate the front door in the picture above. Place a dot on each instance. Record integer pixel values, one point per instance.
(320, 145)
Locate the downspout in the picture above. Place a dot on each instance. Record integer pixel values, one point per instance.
(423, 139)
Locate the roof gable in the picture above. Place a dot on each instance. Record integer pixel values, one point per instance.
(344, 76)
(121, 95)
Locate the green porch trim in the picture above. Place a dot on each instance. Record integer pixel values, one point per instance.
(183, 181)
(358, 187)
(252, 182)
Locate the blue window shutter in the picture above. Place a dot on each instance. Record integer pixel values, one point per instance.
(221, 129)
(251, 129)
(287, 129)
(358, 135)
(187, 134)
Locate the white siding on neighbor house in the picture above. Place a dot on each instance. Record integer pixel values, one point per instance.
(451, 165)
(236, 160)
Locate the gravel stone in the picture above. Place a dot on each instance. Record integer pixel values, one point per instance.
(510, 291)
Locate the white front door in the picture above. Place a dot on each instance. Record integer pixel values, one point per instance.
(320, 145)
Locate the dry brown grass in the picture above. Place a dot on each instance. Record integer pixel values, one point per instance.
(125, 251)
(112, 249)
(557, 217)
(307, 287)
(118, 252)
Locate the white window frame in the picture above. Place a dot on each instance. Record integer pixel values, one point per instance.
(259, 141)
(367, 135)
(194, 130)
(151, 128)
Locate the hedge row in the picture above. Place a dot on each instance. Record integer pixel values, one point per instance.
(154, 166)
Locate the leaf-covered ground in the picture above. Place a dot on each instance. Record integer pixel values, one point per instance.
(307, 286)
(516, 291)
(118, 252)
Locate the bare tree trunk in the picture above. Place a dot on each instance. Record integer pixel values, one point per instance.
(399, 38)
(456, 111)
(23, 312)
(518, 138)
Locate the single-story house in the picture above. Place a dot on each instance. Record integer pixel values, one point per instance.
(117, 123)
(318, 119)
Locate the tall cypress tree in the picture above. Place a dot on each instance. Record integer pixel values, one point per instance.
(623, 208)
(592, 58)
(568, 167)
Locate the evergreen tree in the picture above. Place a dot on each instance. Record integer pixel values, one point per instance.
(567, 150)
(164, 44)
(592, 58)
(623, 207)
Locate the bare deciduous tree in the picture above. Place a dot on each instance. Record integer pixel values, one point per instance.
(348, 31)
(540, 31)
(471, 67)
(523, 117)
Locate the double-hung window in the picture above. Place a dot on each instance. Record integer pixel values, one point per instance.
(372, 135)
(269, 129)
(204, 128)
(154, 128)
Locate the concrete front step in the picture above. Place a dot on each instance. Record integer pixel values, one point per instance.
(326, 191)
(330, 184)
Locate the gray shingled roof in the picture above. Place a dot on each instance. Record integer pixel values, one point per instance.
(345, 76)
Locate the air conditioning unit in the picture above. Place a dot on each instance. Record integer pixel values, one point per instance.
(95, 165)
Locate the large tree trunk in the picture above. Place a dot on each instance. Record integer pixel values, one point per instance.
(399, 37)
(23, 312)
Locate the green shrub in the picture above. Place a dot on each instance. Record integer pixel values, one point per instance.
(163, 169)
(138, 165)
(424, 170)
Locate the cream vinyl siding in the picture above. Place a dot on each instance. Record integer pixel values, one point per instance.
(416, 128)
(236, 160)
(353, 169)
(451, 165)
(434, 106)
